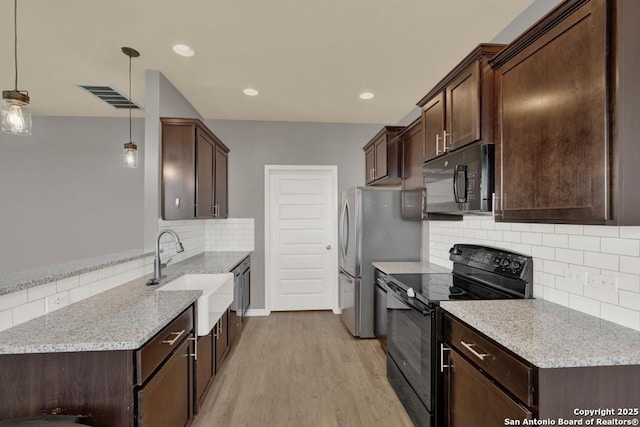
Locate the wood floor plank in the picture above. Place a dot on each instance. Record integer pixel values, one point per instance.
(302, 369)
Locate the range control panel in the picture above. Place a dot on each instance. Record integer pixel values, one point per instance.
(493, 260)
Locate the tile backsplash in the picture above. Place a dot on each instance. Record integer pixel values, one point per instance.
(21, 306)
(567, 259)
(232, 234)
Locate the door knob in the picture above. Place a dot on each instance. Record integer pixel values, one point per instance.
(328, 247)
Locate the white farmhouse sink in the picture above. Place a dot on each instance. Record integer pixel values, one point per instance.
(217, 295)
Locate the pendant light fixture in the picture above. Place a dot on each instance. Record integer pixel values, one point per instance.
(130, 148)
(15, 111)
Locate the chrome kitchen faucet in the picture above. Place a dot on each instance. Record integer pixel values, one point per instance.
(157, 264)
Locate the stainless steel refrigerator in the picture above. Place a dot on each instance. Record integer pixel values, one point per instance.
(370, 229)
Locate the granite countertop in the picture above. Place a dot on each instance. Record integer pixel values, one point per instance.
(123, 318)
(550, 335)
(411, 267)
(25, 279)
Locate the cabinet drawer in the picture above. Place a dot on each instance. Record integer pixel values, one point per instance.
(513, 374)
(156, 350)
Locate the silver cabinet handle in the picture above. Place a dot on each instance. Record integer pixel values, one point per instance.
(437, 144)
(444, 140)
(176, 337)
(442, 350)
(469, 347)
(177, 202)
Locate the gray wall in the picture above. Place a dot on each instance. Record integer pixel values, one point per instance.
(528, 17)
(65, 194)
(256, 144)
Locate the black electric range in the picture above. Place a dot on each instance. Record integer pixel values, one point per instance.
(413, 318)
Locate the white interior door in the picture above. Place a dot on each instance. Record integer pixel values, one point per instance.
(302, 253)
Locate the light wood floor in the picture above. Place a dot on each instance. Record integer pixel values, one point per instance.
(302, 369)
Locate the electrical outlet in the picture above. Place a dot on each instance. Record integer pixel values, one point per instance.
(575, 276)
(604, 283)
(56, 301)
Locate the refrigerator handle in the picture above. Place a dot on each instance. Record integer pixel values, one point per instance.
(345, 247)
(349, 278)
(344, 237)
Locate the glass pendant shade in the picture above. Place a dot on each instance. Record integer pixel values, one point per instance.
(130, 155)
(15, 113)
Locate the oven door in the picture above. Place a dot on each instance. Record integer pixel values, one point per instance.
(410, 342)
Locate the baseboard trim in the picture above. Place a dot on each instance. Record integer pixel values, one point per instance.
(257, 312)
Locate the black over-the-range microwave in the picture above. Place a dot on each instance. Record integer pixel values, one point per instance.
(460, 182)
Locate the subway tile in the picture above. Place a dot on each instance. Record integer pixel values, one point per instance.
(629, 299)
(502, 226)
(620, 246)
(538, 291)
(553, 267)
(481, 234)
(6, 319)
(543, 228)
(585, 305)
(42, 291)
(557, 296)
(630, 264)
(28, 311)
(511, 236)
(629, 232)
(79, 293)
(629, 282)
(531, 238)
(555, 240)
(569, 229)
(495, 235)
(88, 278)
(521, 227)
(544, 279)
(523, 249)
(620, 315)
(569, 286)
(584, 243)
(543, 252)
(600, 230)
(68, 283)
(570, 256)
(600, 260)
(13, 299)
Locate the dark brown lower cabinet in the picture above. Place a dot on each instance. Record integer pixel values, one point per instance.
(476, 400)
(149, 386)
(204, 366)
(221, 339)
(485, 384)
(166, 400)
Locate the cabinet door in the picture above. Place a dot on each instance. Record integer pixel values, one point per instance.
(370, 163)
(222, 337)
(473, 400)
(552, 114)
(204, 364)
(178, 170)
(204, 175)
(380, 148)
(167, 399)
(221, 184)
(412, 152)
(463, 108)
(433, 127)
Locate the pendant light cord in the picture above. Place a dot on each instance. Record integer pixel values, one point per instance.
(15, 38)
(130, 100)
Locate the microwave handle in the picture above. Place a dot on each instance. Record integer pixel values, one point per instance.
(456, 177)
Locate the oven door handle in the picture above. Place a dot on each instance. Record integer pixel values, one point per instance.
(415, 305)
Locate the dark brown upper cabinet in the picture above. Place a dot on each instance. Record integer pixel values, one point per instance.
(567, 94)
(194, 171)
(383, 157)
(411, 141)
(459, 110)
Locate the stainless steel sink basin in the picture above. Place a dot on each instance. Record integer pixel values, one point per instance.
(217, 295)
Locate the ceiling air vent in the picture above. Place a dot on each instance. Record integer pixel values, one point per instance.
(110, 96)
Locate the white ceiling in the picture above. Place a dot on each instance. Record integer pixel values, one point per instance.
(308, 58)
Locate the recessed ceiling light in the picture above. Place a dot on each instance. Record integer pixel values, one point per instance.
(183, 50)
(250, 92)
(366, 95)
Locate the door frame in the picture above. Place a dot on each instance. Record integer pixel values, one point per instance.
(269, 171)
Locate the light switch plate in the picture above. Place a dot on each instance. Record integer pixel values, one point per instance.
(56, 301)
(604, 283)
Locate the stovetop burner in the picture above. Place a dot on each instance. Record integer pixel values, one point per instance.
(479, 273)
